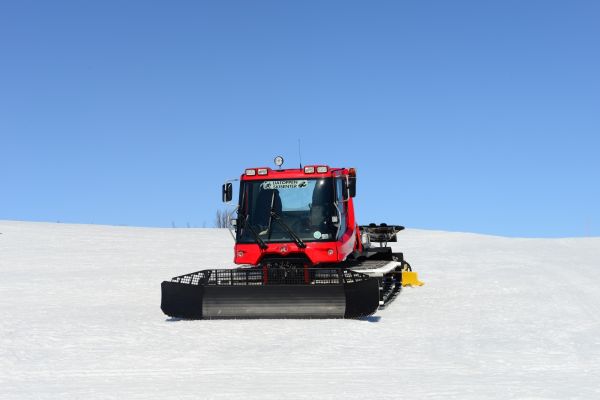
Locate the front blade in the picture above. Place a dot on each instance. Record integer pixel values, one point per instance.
(274, 301)
(230, 294)
(180, 300)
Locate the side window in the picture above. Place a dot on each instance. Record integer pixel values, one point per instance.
(341, 205)
(339, 190)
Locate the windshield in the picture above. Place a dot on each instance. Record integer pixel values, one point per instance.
(304, 205)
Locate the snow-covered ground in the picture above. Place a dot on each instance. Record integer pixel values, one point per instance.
(497, 318)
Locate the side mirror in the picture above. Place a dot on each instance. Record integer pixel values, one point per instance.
(227, 192)
(345, 191)
(352, 186)
(349, 188)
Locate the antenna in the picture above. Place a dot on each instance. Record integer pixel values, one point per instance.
(299, 154)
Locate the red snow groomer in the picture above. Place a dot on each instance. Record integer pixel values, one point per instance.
(301, 252)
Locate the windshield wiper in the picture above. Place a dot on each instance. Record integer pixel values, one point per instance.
(277, 218)
(261, 243)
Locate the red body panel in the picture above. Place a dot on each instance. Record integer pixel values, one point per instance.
(317, 252)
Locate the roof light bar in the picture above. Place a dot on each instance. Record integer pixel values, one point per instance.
(309, 170)
(250, 172)
(322, 169)
(262, 171)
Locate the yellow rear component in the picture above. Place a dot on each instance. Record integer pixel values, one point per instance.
(410, 278)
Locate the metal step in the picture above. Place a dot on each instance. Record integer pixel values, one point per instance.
(374, 268)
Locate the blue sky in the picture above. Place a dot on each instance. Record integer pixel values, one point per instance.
(464, 115)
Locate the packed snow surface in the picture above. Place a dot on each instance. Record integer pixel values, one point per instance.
(497, 318)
